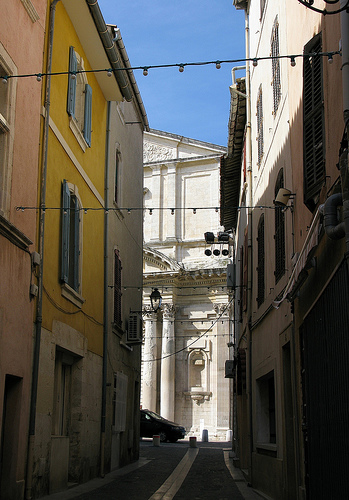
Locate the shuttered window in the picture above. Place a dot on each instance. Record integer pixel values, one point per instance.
(279, 232)
(70, 257)
(117, 290)
(275, 52)
(73, 66)
(88, 114)
(245, 272)
(313, 123)
(79, 99)
(260, 139)
(260, 257)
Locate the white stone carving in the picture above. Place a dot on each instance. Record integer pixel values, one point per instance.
(154, 152)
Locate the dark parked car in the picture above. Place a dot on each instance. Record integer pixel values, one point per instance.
(153, 424)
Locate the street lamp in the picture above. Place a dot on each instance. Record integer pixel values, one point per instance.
(155, 299)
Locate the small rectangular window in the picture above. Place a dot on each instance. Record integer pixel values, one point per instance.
(266, 409)
(120, 401)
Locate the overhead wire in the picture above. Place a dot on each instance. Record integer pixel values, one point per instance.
(195, 340)
(180, 66)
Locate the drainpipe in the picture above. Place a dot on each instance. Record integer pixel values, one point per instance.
(138, 101)
(38, 324)
(345, 80)
(249, 204)
(333, 228)
(115, 61)
(105, 308)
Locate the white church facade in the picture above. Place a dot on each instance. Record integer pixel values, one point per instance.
(186, 342)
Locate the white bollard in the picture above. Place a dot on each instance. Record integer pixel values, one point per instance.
(192, 442)
(229, 436)
(204, 438)
(156, 440)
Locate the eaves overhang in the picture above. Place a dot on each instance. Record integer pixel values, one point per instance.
(231, 164)
(95, 49)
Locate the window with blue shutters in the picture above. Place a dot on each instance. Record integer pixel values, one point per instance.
(79, 100)
(70, 264)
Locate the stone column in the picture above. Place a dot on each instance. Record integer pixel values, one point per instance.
(222, 354)
(156, 219)
(171, 220)
(167, 384)
(149, 365)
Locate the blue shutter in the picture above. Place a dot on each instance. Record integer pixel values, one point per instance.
(76, 283)
(73, 66)
(88, 114)
(65, 231)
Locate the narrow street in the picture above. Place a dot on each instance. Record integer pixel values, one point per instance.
(170, 471)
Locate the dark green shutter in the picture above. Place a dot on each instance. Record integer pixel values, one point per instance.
(88, 114)
(65, 232)
(76, 243)
(313, 123)
(73, 66)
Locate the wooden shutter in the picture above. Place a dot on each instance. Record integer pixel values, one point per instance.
(88, 114)
(65, 231)
(280, 251)
(245, 272)
(117, 289)
(260, 139)
(73, 66)
(313, 123)
(261, 265)
(76, 244)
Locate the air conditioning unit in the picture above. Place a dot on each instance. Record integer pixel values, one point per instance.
(134, 328)
(229, 368)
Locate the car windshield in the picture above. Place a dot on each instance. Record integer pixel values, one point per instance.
(155, 415)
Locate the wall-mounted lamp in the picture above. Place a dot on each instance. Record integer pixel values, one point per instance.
(155, 299)
(282, 197)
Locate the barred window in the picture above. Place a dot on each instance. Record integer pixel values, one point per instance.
(260, 257)
(275, 52)
(279, 232)
(260, 139)
(313, 123)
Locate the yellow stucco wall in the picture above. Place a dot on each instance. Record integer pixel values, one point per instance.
(67, 160)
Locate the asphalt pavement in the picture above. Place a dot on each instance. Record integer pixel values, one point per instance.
(170, 471)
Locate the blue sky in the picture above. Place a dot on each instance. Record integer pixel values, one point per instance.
(194, 103)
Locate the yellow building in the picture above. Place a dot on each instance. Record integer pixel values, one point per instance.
(68, 442)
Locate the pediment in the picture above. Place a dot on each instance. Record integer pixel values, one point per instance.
(155, 261)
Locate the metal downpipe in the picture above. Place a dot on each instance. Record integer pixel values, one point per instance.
(115, 61)
(38, 325)
(105, 307)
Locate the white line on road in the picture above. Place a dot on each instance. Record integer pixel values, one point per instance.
(172, 484)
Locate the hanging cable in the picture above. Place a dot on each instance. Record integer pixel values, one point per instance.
(199, 337)
(181, 66)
